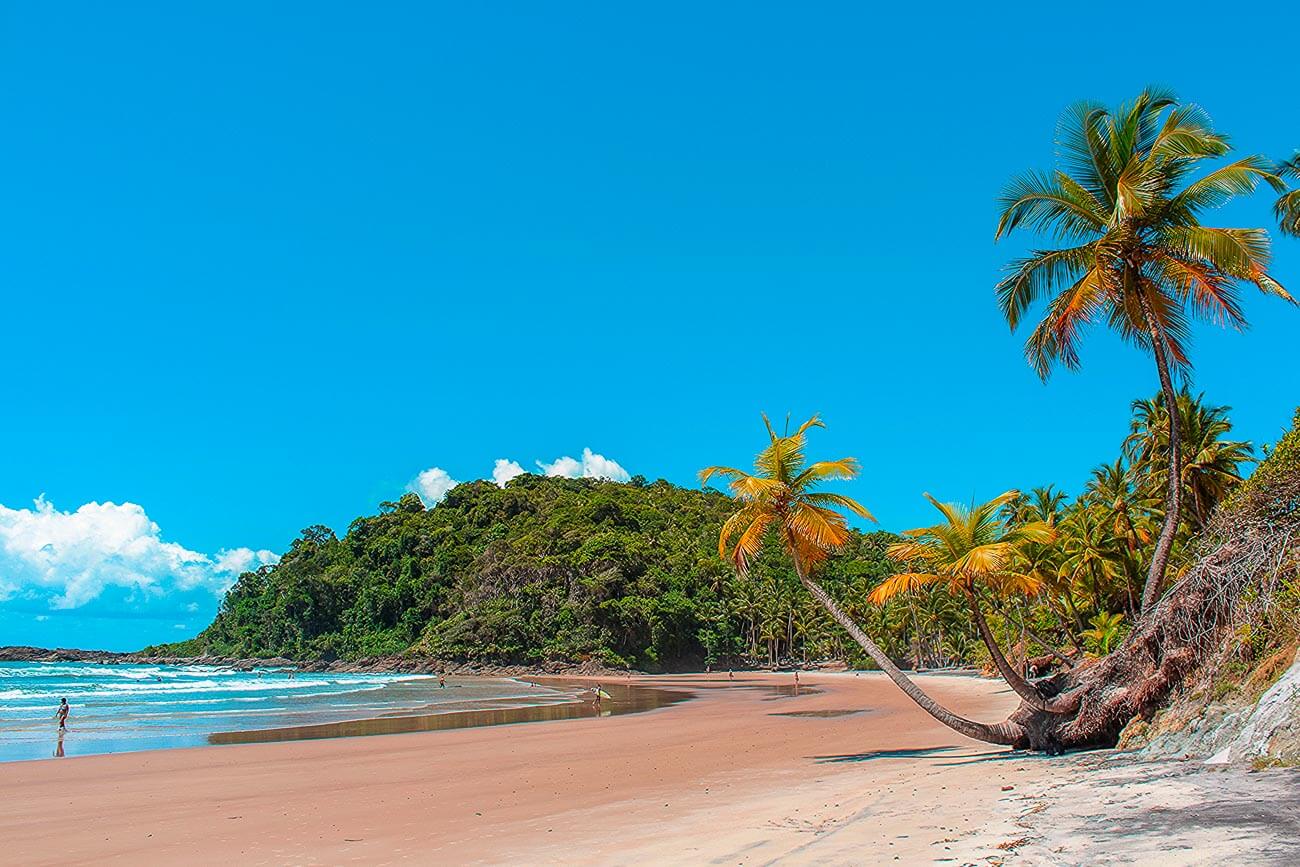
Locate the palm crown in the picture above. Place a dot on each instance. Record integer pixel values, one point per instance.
(781, 496)
(1138, 255)
(972, 546)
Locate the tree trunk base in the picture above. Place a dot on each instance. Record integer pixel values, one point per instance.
(1227, 587)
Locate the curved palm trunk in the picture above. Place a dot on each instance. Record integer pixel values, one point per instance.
(1018, 684)
(1006, 733)
(1173, 492)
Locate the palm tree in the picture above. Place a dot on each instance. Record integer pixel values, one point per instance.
(1092, 556)
(1212, 464)
(1287, 208)
(780, 498)
(970, 549)
(1136, 254)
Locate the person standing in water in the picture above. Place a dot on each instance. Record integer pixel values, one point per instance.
(62, 714)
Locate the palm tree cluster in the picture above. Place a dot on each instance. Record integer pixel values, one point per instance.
(1125, 210)
(1052, 566)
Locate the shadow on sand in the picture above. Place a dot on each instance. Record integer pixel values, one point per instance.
(922, 753)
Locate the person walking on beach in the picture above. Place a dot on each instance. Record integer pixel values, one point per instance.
(62, 714)
(442, 681)
(796, 682)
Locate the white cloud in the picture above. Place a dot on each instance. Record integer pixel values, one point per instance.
(41, 618)
(236, 561)
(565, 466)
(505, 470)
(69, 559)
(596, 466)
(592, 466)
(432, 485)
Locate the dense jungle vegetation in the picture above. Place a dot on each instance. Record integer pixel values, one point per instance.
(553, 569)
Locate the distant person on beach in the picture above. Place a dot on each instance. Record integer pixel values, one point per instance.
(796, 680)
(731, 675)
(442, 681)
(62, 714)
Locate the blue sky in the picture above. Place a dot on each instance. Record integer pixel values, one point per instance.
(266, 263)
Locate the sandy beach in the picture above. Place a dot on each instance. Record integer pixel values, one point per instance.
(846, 772)
(739, 773)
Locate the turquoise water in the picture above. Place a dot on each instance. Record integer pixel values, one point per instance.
(120, 708)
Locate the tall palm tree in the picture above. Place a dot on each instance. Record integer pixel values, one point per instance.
(1135, 253)
(1287, 208)
(971, 549)
(780, 498)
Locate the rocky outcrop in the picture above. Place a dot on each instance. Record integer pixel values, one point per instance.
(1243, 726)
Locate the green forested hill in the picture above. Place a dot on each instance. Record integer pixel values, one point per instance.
(544, 569)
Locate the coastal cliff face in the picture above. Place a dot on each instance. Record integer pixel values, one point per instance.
(1257, 722)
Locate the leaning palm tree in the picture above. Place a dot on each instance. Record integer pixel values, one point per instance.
(1133, 251)
(969, 550)
(1287, 209)
(780, 498)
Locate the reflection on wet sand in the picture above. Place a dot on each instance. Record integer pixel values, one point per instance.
(625, 698)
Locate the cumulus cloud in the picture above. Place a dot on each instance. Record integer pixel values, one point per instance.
(236, 561)
(592, 466)
(504, 471)
(432, 485)
(68, 559)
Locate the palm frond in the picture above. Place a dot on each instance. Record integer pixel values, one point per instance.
(830, 499)
(903, 582)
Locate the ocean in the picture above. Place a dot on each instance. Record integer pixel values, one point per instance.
(121, 708)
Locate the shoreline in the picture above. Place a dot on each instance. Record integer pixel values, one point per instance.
(745, 766)
(626, 699)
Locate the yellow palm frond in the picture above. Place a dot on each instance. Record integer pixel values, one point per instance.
(828, 499)
(1010, 583)
(751, 541)
(905, 552)
(1038, 532)
(734, 525)
(903, 582)
(755, 487)
(823, 528)
(844, 468)
(984, 559)
(814, 421)
(952, 513)
(726, 472)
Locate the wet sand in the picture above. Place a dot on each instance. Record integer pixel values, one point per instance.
(845, 772)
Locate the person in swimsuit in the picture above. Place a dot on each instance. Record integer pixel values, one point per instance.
(442, 681)
(62, 714)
